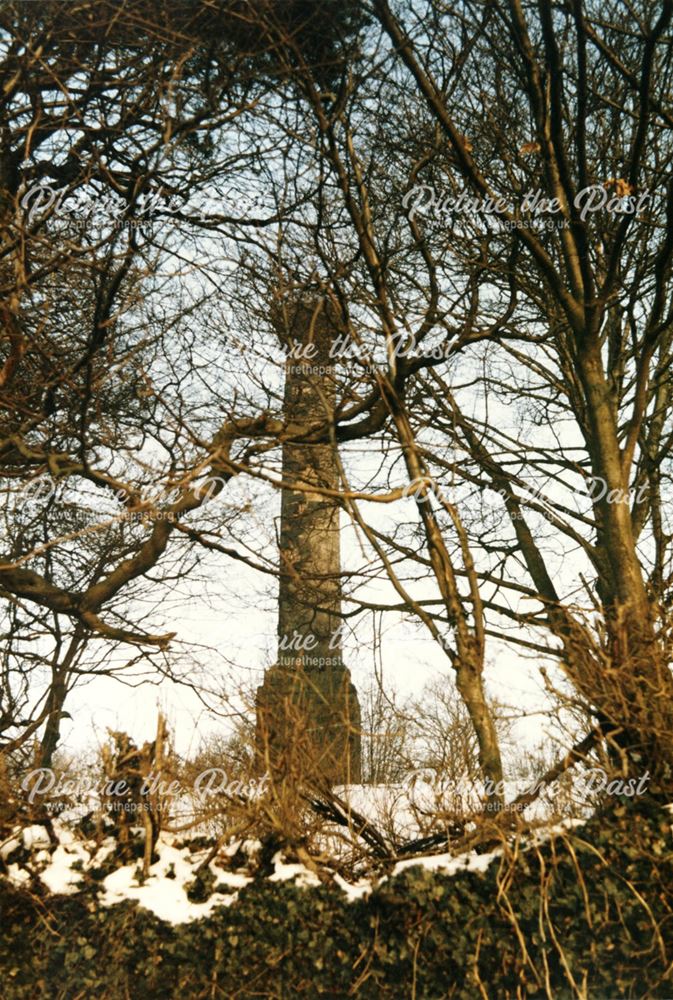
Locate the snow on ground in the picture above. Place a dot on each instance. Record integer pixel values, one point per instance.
(449, 864)
(471, 861)
(59, 875)
(35, 837)
(354, 890)
(164, 892)
(18, 875)
(62, 867)
(300, 873)
(409, 806)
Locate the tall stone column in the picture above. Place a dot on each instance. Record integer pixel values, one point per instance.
(308, 715)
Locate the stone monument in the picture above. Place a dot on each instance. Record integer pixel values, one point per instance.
(307, 698)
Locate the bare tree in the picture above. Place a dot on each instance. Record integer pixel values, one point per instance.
(133, 137)
(564, 271)
(502, 382)
(500, 249)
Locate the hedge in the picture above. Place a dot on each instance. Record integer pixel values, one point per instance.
(593, 909)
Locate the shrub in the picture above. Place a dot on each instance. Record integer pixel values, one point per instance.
(585, 913)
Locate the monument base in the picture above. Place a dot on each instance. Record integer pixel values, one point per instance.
(308, 724)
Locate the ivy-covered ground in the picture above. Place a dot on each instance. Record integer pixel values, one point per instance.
(586, 913)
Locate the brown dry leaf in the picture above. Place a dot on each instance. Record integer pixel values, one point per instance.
(467, 144)
(622, 187)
